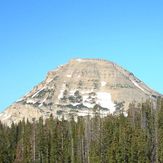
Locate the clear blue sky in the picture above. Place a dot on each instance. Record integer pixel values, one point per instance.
(38, 35)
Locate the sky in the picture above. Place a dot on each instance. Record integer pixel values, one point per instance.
(38, 35)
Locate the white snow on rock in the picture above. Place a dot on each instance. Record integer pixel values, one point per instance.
(137, 85)
(125, 114)
(104, 100)
(101, 98)
(62, 91)
(75, 104)
(90, 99)
(69, 75)
(58, 67)
(61, 94)
(38, 92)
(5, 116)
(89, 105)
(30, 101)
(103, 83)
(42, 102)
(19, 100)
(71, 93)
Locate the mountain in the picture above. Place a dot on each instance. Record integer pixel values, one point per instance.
(79, 88)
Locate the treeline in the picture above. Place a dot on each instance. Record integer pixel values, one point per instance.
(137, 138)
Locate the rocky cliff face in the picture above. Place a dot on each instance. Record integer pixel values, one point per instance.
(79, 88)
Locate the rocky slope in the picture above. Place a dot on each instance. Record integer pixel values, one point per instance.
(79, 88)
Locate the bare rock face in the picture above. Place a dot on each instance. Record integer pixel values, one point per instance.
(81, 87)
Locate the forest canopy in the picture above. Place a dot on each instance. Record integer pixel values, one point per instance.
(137, 138)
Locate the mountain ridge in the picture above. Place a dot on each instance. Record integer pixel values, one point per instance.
(79, 88)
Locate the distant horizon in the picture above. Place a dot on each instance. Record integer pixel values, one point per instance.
(37, 36)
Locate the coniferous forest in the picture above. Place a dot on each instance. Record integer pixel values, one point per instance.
(137, 138)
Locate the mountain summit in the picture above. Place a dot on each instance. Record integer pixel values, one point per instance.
(81, 87)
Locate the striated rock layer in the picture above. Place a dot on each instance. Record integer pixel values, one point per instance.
(81, 87)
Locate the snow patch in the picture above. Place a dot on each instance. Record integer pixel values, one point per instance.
(137, 85)
(5, 116)
(75, 104)
(62, 91)
(69, 76)
(90, 99)
(38, 92)
(103, 83)
(42, 102)
(30, 101)
(71, 93)
(104, 100)
(19, 100)
(61, 94)
(89, 105)
(125, 114)
(58, 67)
